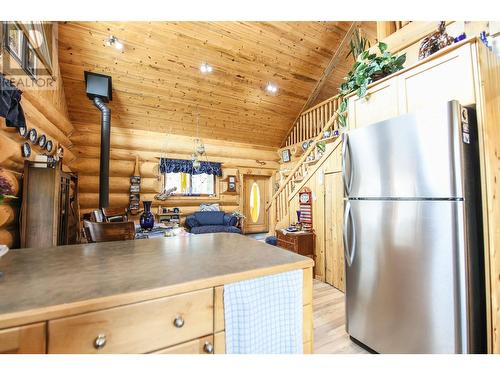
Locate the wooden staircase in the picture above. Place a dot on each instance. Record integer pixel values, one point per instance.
(309, 127)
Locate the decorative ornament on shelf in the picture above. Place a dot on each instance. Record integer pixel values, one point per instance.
(165, 194)
(434, 42)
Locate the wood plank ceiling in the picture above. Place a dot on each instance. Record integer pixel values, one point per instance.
(158, 85)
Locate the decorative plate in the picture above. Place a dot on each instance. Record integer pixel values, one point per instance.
(23, 131)
(33, 136)
(49, 146)
(26, 150)
(42, 141)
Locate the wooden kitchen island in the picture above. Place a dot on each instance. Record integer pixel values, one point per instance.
(162, 295)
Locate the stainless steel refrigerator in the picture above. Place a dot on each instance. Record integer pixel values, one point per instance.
(413, 233)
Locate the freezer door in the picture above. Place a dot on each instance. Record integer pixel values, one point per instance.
(405, 288)
(415, 155)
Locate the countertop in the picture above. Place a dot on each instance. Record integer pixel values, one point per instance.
(40, 284)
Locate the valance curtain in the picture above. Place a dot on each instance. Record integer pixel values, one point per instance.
(186, 166)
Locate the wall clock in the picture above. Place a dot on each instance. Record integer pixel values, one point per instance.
(23, 131)
(42, 141)
(26, 150)
(305, 198)
(49, 146)
(33, 136)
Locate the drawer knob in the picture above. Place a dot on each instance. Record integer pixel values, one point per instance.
(179, 322)
(100, 341)
(208, 348)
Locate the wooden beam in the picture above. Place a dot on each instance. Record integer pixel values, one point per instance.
(338, 54)
(385, 28)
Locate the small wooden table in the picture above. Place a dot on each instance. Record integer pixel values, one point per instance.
(301, 242)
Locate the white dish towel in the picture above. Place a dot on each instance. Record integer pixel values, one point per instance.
(264, 315)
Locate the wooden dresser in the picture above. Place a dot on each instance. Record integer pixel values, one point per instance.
(302, 243)
(164, 295)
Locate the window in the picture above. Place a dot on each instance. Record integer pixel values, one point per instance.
(30, 43)
(188, 184)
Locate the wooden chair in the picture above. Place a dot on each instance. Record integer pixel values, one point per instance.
(103, 232)
(113, 215)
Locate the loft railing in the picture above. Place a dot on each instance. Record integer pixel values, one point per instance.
(309, 123)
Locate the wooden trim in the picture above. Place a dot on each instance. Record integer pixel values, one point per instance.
(219, 323)
(487, 75)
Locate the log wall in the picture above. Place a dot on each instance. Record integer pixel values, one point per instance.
(236, 158)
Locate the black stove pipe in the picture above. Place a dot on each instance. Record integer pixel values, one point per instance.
(105, 145)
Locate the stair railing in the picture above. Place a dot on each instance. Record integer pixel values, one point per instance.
(300, 169)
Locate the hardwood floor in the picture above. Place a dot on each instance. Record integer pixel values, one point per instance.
(330, 336)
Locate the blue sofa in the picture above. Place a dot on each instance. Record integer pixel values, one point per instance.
(212, 222)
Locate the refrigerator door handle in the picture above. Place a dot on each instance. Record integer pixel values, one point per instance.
(349, 251)
(346, 153)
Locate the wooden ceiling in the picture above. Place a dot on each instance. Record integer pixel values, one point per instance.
(157, 84)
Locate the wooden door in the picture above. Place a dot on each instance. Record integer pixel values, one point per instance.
(255, 197)
(334, 247)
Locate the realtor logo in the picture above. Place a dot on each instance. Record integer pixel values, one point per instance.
(26, 54)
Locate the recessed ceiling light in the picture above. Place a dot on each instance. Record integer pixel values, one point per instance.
(271, 88)
(113, 41)
(205, 68)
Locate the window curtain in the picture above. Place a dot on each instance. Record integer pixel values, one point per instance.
(186, 166)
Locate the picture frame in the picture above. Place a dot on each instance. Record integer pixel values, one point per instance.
(286, 155)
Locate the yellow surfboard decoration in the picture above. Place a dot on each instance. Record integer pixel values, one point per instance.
(254, 202)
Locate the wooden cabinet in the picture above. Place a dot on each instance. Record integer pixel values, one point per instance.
(380, 103)
(449, 77)
(136, 328)
(334, 247)
(203, 345)
(50, 211)
(29, 339)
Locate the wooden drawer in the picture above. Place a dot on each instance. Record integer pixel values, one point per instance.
(28, 339)
(203, 345)
(287, 245)
(138, 328)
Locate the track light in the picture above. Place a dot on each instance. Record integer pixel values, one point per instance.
(205, 68)
(113, 41)
(271, 88)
